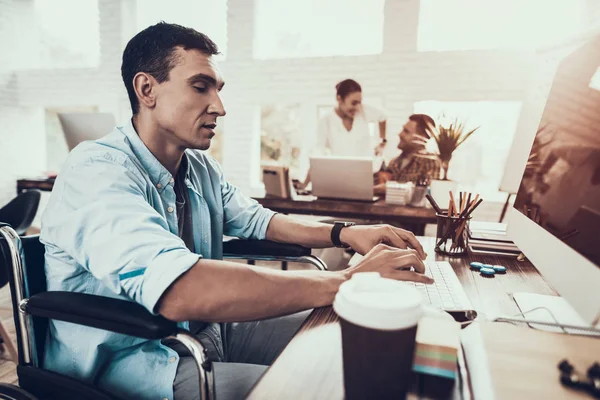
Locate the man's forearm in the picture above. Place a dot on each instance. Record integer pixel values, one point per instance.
(285, 229)
(220, 291)
(382, 129)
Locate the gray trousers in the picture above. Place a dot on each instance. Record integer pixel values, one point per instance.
(240, 352)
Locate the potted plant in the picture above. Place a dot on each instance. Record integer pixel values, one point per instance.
(448, 138)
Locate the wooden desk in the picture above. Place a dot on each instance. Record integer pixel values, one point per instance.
(45, 185)
(413, 218)
(310, 367)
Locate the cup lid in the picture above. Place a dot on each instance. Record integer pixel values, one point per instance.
(371, 301)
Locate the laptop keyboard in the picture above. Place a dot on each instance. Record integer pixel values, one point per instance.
(446, 292)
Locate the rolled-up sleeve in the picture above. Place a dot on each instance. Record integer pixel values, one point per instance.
(244, 217)
(106, 224)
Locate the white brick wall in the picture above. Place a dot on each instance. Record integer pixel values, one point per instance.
(22, 149)
(399, 77)
(593, 12)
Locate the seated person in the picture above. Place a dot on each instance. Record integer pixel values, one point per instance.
(414, 164)
(140, 215)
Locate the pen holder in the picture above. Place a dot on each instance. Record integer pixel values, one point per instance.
(418, 196)
(452, 235)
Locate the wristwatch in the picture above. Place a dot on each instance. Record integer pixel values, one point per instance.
(384, 140)
(335, 233)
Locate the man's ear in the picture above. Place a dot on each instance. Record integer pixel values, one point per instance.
(145, 88)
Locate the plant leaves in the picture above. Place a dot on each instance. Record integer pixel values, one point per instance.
(449, 138)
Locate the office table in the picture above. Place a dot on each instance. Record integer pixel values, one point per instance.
(412, 218)
(45, 185)
(310, 367)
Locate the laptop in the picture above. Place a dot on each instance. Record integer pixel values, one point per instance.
(79, 127)
(345, 178)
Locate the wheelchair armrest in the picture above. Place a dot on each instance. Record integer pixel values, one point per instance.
(100, 312)
(263, 248)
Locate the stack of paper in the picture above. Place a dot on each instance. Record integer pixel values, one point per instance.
(398, 193)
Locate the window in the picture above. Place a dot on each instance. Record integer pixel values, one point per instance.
(280, 136)
(478, 164)
(317, 28)
(60, 34)
(206, 16)
(455, 25)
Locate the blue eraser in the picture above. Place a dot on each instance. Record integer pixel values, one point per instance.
(487, 271)
(487, 266)
(476, 265)
(500, 269)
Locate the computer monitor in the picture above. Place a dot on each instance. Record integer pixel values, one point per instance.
(78, 127)
(555, 219)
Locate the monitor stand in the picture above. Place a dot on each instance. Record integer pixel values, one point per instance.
(550, 313)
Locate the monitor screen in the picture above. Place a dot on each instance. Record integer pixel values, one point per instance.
(560, 188)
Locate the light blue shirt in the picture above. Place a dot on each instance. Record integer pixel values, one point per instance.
(110, 229)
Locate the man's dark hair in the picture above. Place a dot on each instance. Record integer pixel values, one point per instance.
(347, 86)
(424, 122)
(153, 51)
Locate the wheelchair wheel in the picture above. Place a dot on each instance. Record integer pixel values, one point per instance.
(12, 392)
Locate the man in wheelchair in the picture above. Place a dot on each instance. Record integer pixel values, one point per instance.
(140, 215)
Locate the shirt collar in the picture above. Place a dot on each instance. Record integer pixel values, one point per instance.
(159, 175)
(184, 168)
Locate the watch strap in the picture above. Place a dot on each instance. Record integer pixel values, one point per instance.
(335, 233)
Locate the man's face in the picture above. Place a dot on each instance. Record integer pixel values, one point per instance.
(408, 136)
(351, 104)
(188, 103)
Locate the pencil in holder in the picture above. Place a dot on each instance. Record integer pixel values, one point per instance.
(452, 236)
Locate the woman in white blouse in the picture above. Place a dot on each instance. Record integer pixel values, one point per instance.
(345, 130)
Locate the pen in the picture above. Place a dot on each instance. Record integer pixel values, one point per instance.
(433, 204)
(453, 205)
(469, 200)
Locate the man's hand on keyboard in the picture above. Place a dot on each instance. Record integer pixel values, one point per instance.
(363, 238)
(393, 263)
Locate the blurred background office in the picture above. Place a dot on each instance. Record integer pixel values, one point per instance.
(465, 59)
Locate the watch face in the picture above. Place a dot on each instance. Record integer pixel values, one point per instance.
(343, 223)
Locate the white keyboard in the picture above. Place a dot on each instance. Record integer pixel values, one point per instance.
(446, 292)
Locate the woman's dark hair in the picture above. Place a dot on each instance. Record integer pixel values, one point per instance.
(347, 86)
(153, 51)
(424, 122)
